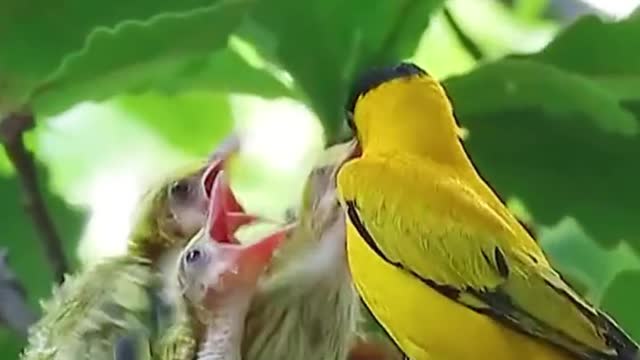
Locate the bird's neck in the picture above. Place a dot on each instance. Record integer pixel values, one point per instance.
(223, 328)
(450, 153)
(437, 140)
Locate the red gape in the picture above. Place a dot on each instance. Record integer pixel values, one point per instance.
(209, 177)
(226, 215)
(224, 209)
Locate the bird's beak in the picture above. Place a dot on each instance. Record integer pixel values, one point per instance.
(225, 215)
(221, 197)
(252, 260)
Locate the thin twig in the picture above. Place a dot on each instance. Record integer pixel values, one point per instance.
(12, 129)
(472, 48)
(15, 312)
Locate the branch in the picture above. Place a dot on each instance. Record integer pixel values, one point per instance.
(465, 40)
(14, 310)
(12, 129)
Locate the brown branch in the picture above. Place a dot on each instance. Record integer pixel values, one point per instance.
(12, 129)
(15, 312)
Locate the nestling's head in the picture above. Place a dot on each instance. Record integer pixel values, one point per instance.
(175, 210)
(210, 266)
(399, 107)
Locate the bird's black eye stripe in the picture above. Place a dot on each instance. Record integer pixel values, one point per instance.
(375, 77)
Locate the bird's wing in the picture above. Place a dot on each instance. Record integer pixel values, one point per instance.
(444, 234)
(178, 342)
(91, 310)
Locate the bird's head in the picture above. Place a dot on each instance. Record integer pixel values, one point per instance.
(173, 212)
(402, 108)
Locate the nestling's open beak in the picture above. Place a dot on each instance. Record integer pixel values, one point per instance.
(247, 262)
(224, 202)
(225, 214)
(210, 175)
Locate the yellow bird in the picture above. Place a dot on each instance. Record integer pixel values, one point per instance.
(442, 264)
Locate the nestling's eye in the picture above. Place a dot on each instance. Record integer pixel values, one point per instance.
(193, 256)
(180, 189)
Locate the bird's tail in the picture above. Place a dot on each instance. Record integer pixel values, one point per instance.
(617, 338)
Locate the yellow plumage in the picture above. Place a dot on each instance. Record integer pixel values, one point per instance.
(435, 254)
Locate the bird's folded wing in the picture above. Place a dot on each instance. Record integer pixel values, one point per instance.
(458, 246)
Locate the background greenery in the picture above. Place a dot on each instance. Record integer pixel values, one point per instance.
(126, 91)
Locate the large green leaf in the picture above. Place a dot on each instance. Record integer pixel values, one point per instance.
(139, 55)
(556, 129)
(602, 51)
(579, 257)
(513, 84)
(35, 35)
(323, 43)
(561, 166)
(193, 122)
(227, 71)
(621, 301)
(593, 46)
(26, 255)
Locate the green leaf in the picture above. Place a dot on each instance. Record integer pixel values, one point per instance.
(580, 258)
(558, 167)
(593, 46)
(544, 148)
(521, 84)
(6, 168)
(324, 43)
(228, 71)
(138, 55)
(621, 301)
(26, 254)
(193, 122)
(600, 50)
(35, 35)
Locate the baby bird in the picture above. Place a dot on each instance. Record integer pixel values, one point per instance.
(92, 310)
(306, 308)
(218, 279)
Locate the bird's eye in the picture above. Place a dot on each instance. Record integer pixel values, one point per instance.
(180, 189)
(193, 256)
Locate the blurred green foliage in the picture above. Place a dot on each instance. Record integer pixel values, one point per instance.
(553, 125)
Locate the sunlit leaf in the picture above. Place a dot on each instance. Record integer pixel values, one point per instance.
(578, 256)
(193, 122)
